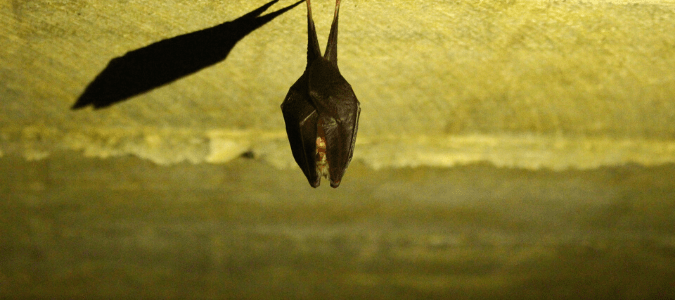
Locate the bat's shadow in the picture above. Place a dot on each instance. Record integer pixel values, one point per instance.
(165, 61)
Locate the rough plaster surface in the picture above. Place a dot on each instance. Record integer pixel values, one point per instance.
(532, 84)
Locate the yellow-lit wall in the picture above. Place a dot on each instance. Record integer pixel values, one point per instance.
(554, 84)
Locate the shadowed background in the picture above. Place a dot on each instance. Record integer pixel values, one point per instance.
(518, 149)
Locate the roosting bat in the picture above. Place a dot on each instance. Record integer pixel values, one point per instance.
(321, 111)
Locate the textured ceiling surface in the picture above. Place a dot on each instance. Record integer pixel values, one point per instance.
(530, 84)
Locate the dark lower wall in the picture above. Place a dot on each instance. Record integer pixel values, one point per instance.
(73, 227)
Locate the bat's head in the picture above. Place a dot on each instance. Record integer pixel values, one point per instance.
(321, 159)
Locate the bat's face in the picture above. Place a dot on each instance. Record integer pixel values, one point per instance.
(321, 112)
(321, 159)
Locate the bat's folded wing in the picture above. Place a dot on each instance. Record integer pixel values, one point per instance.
(338, 111)
(301, 127)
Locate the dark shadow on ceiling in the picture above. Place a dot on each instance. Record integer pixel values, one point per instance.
(163, 62)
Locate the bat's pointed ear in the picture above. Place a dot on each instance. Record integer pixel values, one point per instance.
(331, 49)
(313, 50)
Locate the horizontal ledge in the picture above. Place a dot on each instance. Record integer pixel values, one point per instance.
(170, 146)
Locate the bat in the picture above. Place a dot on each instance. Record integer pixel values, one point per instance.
(321, 111)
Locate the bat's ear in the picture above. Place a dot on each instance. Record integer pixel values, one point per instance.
(331, 49)
(313, 50)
